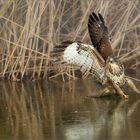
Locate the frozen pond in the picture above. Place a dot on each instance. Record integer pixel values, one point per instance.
(59, 111)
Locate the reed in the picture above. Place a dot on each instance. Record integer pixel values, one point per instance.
(29, 29)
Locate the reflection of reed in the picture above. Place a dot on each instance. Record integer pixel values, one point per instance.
(27, 107)
(32, 108)
(46, 110)
(106, 120)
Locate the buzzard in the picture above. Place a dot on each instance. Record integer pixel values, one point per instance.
(95, 59)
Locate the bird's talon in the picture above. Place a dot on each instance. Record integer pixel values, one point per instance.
(126, 96)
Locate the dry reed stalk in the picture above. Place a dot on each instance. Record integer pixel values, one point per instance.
(30, 29)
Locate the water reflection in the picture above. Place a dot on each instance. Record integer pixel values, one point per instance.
(54, 110)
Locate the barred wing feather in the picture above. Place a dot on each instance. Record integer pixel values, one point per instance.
(85, 57)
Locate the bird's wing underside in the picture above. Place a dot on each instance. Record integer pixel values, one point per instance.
(97, 29)
(85, 57)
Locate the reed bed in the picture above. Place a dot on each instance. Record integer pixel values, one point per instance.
(30, 29)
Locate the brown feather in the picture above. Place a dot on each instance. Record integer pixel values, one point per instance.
(99, 35)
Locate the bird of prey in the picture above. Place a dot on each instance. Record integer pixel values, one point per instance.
(96, 59)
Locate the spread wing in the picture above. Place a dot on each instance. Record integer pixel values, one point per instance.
(97, 29)
(85, 57)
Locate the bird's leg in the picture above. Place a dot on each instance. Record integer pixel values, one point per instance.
(119, 91)
(132, 85)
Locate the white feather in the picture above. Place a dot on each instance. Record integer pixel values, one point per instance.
(86, 60)
(83, 59)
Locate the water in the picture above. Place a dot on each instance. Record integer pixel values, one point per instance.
(59, 111)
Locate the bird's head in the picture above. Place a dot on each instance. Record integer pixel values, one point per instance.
(110, 60)
(114, 66)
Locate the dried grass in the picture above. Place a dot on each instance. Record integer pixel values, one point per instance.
(29, 29)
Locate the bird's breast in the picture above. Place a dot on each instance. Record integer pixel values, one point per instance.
(115, 74)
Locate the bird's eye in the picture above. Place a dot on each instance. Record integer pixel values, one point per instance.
(111, 61)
